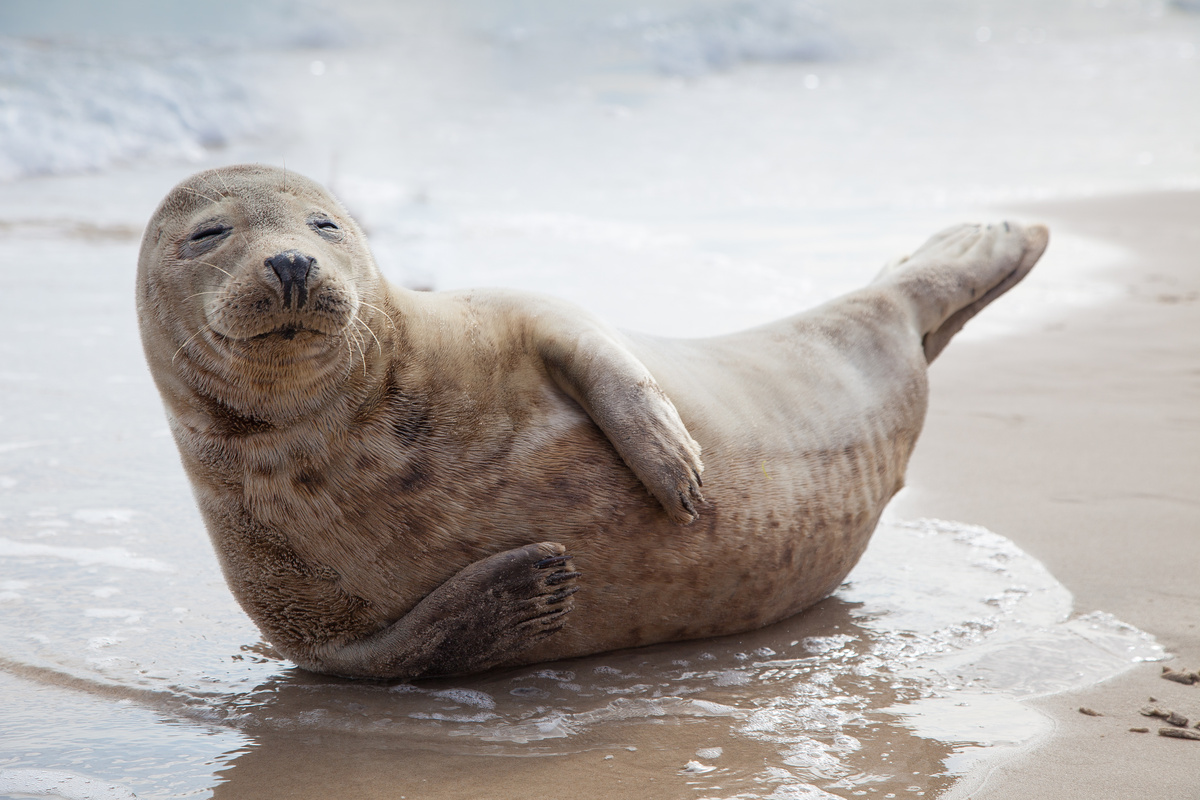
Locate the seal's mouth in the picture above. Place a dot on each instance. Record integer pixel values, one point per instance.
(256, 314)
(278, 337)
(289, 332)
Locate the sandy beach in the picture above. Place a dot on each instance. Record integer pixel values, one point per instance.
(1087, 435)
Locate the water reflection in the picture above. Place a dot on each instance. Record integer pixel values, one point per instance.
(870, 693)
(788, 706)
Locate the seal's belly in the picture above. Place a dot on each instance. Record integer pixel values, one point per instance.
(780, 532)
(799, 465)
(803, 448)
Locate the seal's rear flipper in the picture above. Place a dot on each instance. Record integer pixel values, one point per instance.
(959, 271)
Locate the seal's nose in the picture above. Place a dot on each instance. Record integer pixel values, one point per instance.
(293, 268)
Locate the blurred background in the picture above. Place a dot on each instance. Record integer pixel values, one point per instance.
(731, 160)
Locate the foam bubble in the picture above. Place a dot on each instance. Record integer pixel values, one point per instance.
(467, 697)
(86, 556)
(129, 615)
(104, 516)
(58, 785)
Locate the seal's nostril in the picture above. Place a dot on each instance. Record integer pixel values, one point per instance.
(292, 268)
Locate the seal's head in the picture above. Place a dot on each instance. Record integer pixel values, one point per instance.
(255, 290)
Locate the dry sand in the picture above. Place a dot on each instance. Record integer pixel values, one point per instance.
(1081, 442)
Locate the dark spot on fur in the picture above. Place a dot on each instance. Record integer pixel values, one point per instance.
(371, 404)
(230, 424)
(410, 481)
(309, 481)
(564, 489)
(850, 455)
(410, 418)
(789, 551)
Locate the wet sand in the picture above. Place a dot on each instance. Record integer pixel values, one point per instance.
(1081, 442)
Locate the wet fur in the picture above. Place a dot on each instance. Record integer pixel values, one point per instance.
(392, 488)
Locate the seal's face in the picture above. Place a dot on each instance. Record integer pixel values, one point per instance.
(254, 279)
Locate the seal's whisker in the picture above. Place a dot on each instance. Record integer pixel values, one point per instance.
(362, 346)
(223, 183)
(378, 344)
(197, 294)
(391, 321)
(214, 266)
(205, 327)
(349, 350)
(210, 185)
(359, 342)
(197, 193)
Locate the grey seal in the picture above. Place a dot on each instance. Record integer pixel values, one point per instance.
(401, 484)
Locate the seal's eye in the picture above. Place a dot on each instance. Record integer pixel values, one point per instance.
(326, 227)
(208, 232)
(204, 238)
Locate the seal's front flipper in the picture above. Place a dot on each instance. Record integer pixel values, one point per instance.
(487, 614)
(959, 271)
(623, 399)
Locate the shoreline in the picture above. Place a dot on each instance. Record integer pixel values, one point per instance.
(1086, 436)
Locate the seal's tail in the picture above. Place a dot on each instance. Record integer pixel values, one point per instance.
(959, 271)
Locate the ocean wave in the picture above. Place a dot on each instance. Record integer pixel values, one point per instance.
(711, 38)
(686, 40)
(79, 107)
(86, 86)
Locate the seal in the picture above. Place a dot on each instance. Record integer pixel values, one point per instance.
(401, 484)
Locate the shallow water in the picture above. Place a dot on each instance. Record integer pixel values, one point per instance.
(890, 687)
(675, 167)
